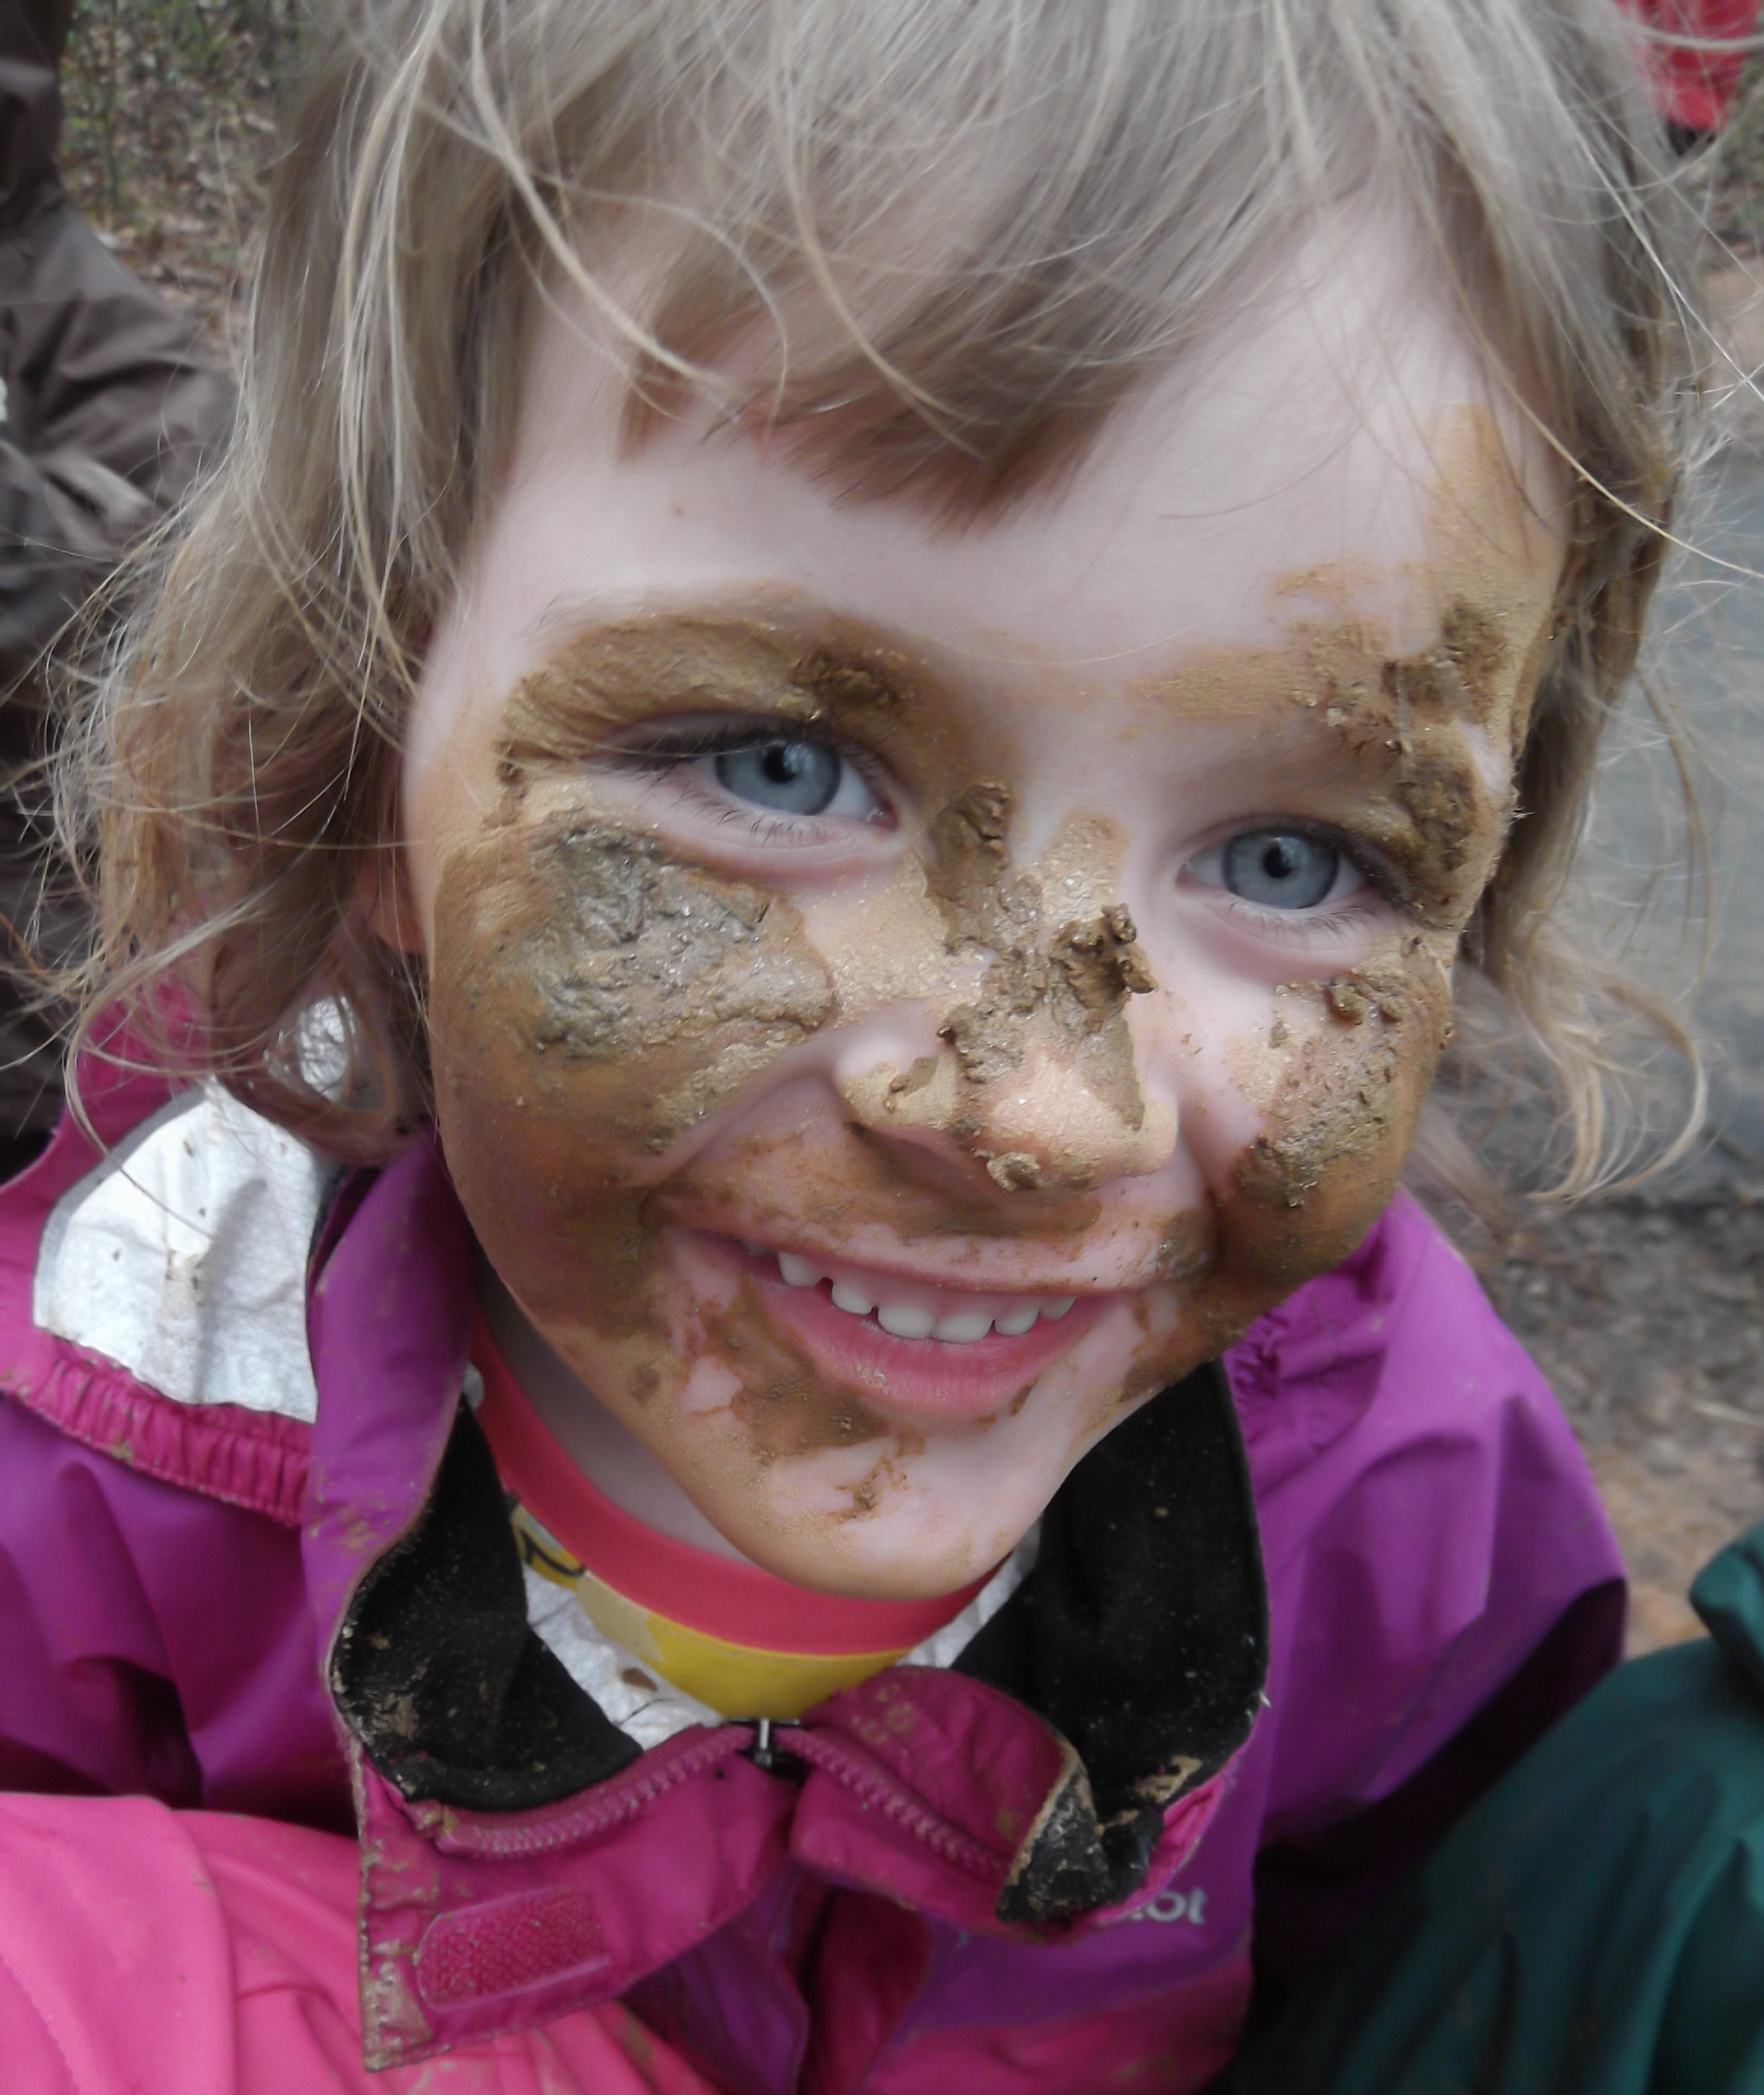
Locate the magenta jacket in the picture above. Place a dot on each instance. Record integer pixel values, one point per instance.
(1285, 1622)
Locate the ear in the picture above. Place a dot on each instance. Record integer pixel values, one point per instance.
(383, 896)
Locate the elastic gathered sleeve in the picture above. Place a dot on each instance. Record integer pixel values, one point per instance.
(152, 1640)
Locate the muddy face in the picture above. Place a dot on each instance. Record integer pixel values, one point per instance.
(640, 1051)
(595, 998)
(851, 943)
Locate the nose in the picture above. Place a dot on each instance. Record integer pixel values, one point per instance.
(1036, 1079)
(1052, 1126)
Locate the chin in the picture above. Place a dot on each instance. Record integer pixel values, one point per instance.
(880, 1529)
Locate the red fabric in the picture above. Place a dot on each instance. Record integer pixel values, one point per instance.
(1694, 88)
(737, 1603)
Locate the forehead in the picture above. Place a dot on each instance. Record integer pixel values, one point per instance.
(1339, 452)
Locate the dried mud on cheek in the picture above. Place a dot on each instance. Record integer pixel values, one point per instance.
(1354, 1079)
(1417, 717)
(591, 999)
(624, 974)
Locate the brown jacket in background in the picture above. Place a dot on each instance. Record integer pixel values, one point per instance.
(110, 406)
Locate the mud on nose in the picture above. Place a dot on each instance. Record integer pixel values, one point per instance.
(1042, 1123)
(1047, 1128)
(1033, 1072)
(1046, 1058)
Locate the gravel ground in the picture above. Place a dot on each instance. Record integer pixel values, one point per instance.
(1644, 1313)
(1644, 1309)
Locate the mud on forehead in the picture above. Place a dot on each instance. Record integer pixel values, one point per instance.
(629, 670)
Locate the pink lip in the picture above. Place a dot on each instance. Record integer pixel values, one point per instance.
(921, 1377)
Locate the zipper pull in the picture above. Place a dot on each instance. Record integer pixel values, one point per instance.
(764, 1752)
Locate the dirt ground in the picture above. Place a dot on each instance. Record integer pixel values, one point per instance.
(1647, 1313)
(1644, 1309)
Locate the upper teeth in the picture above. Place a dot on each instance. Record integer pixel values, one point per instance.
(912, 1320)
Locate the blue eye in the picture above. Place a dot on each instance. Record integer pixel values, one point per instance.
(766, 768)
(792, 777)
(1280, 870)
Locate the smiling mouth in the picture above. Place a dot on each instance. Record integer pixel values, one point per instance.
(906, 1311)
(910, 1346)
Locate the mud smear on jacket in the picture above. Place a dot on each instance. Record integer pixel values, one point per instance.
(1139, 1639)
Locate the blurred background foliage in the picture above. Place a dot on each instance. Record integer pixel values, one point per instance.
(169, 128)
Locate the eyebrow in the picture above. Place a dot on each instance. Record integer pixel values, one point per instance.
(611, 671)
(807, 628)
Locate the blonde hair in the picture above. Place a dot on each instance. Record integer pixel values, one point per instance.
(1016, 210)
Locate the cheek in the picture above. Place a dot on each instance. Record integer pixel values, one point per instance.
(1339, 1083)
(882, 940)
(582, 960)
(591, 999)
(1298, 1109)
(1299, 1141)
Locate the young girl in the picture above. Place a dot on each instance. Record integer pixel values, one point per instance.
(793, 841)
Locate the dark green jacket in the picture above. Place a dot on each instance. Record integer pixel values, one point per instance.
(1595, 1926)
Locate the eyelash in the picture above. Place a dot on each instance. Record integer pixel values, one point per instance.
(668, 758)
(1294, 928)
(1309, 928)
